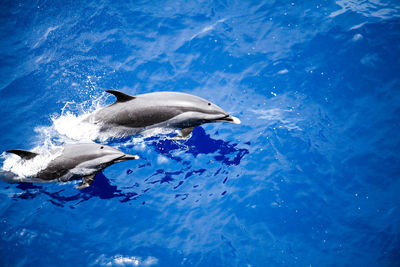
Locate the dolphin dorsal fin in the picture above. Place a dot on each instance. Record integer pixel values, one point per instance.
(121, 97)
(23, 153)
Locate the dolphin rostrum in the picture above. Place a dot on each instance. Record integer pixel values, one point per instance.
(130, 115)
(76, 161)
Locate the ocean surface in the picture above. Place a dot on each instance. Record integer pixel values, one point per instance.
(310, 178)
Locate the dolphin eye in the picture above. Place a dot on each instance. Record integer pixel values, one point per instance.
(209, 104)
(101, 147)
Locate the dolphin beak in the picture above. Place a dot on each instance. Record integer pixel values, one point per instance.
(127, 157)
(230, 119)
(233, 119)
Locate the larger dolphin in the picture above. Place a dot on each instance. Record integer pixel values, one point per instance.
(130, 115)
(76, 161)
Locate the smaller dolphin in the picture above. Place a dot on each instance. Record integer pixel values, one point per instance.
(130, 115)
(75, 162)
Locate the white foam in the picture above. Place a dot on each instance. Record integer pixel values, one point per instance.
(74, 127)
(66, 128)
(120, 260)
(28, 168)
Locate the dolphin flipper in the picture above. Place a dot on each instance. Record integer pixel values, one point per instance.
(25, 154)
(86, 182)
(183, 133)
(121, 97)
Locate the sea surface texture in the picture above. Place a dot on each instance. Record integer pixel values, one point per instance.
(310, 178)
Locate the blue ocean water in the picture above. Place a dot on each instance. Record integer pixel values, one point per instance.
(310, 178)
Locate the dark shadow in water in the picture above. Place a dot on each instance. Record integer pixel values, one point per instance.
(198, 143)
(100, 188)
(30, 191)
(201, 143)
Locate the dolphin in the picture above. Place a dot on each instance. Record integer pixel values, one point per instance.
(76, 161)
(130, 115)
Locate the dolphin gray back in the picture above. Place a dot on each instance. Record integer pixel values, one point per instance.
(77, 154)
(71, 156)
(150, 109)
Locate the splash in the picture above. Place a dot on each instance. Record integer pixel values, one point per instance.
(69, 127)
(73, 126)
(120, 260)
(16, 169)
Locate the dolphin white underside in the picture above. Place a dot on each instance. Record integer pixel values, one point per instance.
(178, 122)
